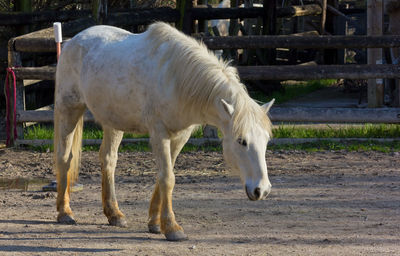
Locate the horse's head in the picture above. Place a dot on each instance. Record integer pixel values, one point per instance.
(245, 152)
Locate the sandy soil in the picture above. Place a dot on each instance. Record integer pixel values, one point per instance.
(326, 203)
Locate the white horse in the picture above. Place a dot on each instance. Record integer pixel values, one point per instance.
(161, 82)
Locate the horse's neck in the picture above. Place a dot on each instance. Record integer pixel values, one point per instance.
(215, 115)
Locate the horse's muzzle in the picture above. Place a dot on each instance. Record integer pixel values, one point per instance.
(257, 193)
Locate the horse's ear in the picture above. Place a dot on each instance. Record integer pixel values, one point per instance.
(227, 107)
(268, 105)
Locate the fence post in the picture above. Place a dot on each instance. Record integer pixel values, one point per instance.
(374, 27)
(330, 56)
(100, 11)
(394, 53)
(202, 24)
(324, 4)
(269, 27)
(185, 23)
(14, 60)
(23, 6)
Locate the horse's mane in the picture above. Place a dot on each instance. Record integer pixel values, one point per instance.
(199, 77)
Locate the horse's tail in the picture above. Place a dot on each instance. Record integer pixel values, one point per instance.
(76, 149)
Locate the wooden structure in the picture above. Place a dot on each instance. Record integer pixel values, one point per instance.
(42, 41)
(375, 56)
(392, 9)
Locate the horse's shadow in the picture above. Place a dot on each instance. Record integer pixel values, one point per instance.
(27, 222)
(117, 233)
(36, 249)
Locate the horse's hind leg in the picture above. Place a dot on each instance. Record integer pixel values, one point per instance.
(68, 124)
(108, 157)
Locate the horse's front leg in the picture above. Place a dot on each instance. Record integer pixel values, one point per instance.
(176, 146)
(165, 184)
(108, 157)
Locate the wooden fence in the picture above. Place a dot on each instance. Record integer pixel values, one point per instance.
(42, 41)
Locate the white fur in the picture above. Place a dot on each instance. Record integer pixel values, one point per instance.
(164, 83)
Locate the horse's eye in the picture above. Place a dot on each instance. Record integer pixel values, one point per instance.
(242, 142)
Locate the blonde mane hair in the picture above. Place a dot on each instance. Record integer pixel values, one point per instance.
(200, 77)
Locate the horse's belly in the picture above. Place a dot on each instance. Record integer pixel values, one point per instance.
(117, 105)
(120, 120)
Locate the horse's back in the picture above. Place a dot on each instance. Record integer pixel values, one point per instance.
(90, 41)
(103, 66)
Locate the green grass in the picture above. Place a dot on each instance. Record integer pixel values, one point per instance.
(352, 131)
(280, 131)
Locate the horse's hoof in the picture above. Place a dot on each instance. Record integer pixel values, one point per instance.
(155, 229)
(66, 219)
(118, 222)
(176, 236)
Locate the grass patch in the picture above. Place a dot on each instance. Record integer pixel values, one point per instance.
(351, 131)
(280, 131)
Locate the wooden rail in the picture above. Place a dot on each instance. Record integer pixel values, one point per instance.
(38, 43)
(286, 72)
(335, 115)
(35, 73)
(277, 114)
(301, 42)
(301, 72)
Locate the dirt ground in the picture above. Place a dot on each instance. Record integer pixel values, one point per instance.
(325, 203)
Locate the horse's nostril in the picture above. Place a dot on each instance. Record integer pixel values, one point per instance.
(257, 193)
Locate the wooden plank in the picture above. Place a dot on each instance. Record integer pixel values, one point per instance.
(335, 115)
(43, 40)
(46, 44)
(375, 27)
(35, 45)
(45, 116)
(289, 72)
(38, 73)
(277, 114)
(306, 42)
(285, 72)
